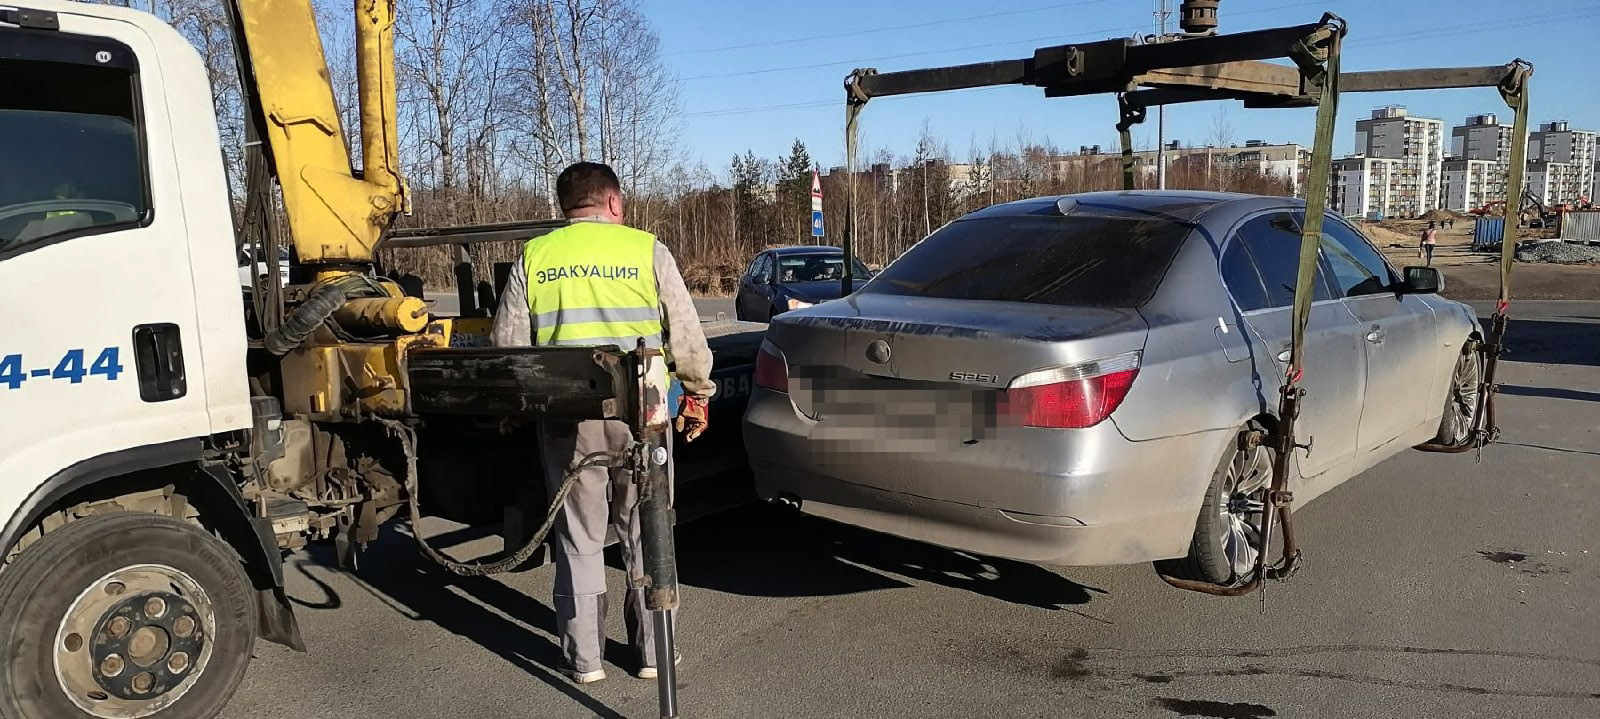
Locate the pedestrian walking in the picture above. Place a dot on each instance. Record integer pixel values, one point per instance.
(1430, 237)
(598, 282)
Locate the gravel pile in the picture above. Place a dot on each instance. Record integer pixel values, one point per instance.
(1559, 252)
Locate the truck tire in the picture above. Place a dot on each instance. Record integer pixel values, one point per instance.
(1221, 551)
(124, 615)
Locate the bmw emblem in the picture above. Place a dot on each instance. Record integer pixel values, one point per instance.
(878, 351)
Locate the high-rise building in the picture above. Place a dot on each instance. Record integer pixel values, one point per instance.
(1416, 184)
(1481, 138)
(1556, 143)
(1480, 155)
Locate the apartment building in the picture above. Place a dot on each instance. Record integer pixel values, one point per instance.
(1374, 187)
(1557, 143)
(1480, 155)
(1555, 183)
(1470, 184)
(1482, 137)
(1392, 133)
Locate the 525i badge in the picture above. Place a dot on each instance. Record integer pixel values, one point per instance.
(973, 377)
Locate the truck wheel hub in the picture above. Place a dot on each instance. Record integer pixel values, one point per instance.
(134, 642)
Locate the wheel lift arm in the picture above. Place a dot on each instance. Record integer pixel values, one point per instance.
(567, 384)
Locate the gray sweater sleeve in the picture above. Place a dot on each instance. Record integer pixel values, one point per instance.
(685, 339)
(512, 325)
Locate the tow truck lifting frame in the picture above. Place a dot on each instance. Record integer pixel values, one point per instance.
(1200, 65)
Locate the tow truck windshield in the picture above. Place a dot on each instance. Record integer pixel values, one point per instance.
(72, 164)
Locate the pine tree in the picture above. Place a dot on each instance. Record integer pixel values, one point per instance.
(794, 192)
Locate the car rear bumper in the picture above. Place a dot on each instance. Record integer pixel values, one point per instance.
(1078, 497)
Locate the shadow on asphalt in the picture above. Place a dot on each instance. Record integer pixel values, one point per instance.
(1550, 393)
(1551, 342)
(395, 573)
(764, 551)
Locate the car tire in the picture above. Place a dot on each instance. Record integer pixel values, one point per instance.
(1461, 401)
(1230, 516)
(83, 630)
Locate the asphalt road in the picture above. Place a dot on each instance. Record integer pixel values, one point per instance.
(1434, 586)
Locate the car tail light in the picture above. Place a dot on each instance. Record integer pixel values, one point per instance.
(1072, 397)
(772, 371)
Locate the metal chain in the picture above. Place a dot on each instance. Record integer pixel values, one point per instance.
(408, 443)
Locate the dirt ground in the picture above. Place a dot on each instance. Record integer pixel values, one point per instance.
(1472, 275)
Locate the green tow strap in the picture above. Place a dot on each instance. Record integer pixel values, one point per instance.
(851, 112)
(1131, 115)
(1316, 204)
(1127, 157)
(1516, 97)
(855, 101)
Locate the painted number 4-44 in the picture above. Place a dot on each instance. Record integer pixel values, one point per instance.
(70, 367)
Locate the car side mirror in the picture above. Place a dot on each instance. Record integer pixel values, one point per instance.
(1422, 281)
(763, 279)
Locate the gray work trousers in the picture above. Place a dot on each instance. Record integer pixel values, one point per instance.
(603, 497)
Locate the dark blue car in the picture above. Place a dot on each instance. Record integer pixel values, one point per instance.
(788, 278)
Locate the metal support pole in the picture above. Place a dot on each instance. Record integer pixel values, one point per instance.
(651, 454)
(466, 282)
(1161, 111)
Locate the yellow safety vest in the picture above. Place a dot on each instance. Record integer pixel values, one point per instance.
(593, 283)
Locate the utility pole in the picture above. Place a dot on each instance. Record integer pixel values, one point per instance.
(1162, 13)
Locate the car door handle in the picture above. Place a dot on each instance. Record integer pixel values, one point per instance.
(1284, 356)
(1375, 337)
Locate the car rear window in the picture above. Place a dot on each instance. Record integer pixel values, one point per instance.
(1098, 261)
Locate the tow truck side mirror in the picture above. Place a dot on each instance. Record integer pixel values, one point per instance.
(1422, 281)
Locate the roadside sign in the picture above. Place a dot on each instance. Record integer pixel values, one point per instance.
(816, 205)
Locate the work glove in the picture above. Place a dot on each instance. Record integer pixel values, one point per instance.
(693, 417)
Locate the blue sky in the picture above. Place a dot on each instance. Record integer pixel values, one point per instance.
(721, 50)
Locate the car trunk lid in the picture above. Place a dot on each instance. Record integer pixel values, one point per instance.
(878, 357)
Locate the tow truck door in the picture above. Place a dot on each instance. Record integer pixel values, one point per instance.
(101, 347)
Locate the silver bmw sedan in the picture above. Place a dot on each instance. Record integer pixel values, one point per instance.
(1066, 380)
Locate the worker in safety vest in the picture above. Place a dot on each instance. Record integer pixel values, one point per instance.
(597, 282)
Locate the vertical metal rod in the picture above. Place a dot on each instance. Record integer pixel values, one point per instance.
(1161, 112)
(651, 430)
(666, 667)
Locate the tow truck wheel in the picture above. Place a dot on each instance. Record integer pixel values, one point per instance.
(1223, 549)
(123, 616)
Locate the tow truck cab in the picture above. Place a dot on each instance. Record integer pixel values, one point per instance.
(140, 528)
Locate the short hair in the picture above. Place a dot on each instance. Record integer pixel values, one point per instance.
(585, 183)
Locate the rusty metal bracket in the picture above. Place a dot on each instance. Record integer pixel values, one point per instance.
(854, 94)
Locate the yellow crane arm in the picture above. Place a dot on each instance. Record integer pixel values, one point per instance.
(335, 217)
